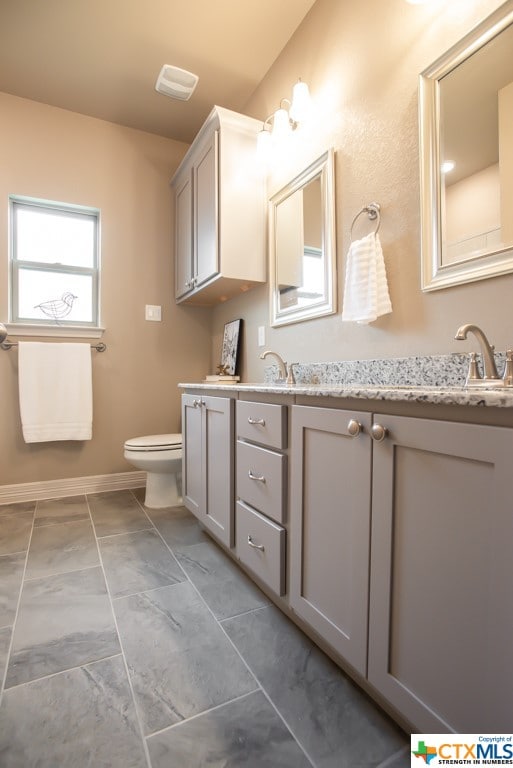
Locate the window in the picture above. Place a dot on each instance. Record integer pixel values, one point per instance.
(54, 263)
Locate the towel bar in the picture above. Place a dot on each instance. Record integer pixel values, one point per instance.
(373, 212)
(6, 344)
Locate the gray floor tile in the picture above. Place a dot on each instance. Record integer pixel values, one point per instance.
(180, 661)
(136, 562)
(177, 526)
(11, 574)
(60, 548)
(246, 733)
(15, 532)
(224, 587)
(401, 759)
(81, 718)
(63, 621)
(66, 510)
(338, 726)
(5, 639)
(116, 512)
(16, 509)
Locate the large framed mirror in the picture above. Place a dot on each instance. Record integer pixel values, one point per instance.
(466, 157)
(302, 245)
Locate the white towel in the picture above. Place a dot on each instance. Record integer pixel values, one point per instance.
(366, 294)
(56, 396)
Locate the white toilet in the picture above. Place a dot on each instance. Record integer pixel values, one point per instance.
(160, 456)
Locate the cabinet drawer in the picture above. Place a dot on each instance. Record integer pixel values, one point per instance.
(261, 546)
(262, 423)
(261, 479)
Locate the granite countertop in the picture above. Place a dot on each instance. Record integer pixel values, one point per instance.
(440, 395)
(437, 379)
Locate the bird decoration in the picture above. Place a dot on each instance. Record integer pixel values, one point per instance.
(57, 309)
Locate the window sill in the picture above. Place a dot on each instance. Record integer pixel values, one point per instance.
(54, 331)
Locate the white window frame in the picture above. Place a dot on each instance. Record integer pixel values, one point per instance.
(65, 326)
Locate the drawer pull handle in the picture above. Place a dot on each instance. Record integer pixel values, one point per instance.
(255, 546)
(261, 422)
(260, 478)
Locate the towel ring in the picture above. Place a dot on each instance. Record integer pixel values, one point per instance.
(372, 210)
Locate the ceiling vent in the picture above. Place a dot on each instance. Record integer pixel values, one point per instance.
(176, 83)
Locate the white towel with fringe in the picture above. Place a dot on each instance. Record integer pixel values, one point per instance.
(56, 393)
(366, 294)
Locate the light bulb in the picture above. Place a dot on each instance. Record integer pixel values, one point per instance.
(301, 102)
(264, 145)
(447, 166)
(281, 124)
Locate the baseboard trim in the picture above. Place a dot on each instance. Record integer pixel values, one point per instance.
(71, 486)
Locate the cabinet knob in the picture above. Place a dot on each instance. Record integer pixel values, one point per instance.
(354, 428)
(251, 420)
(196, 403)
(255, 546)
(260, 478)
(378, 432)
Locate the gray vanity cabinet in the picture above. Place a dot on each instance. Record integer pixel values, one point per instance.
(207, 468)
(441, 596)
(330, 526)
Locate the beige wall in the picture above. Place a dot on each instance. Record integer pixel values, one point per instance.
(362, 61)
(58, 155)
(506, 160)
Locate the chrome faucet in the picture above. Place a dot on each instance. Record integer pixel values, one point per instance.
(286, 372)
(490, 369)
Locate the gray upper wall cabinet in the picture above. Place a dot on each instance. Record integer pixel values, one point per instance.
(220, 212)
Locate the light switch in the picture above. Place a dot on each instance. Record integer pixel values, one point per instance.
(153, 312)
(261, 335)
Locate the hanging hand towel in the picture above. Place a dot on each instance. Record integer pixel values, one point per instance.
(56, 397)
(366, 294)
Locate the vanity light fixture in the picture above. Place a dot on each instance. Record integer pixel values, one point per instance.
(281, 123)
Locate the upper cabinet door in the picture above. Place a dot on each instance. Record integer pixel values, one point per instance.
(183, 236)
(441, 600)
(205, 211)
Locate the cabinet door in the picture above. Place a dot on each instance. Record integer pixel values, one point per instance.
(330, 526)
(183, 235)
(218, 467)
(441, 600)
(193, 487)
(206, 211)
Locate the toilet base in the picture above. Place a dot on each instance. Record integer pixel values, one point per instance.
(163, 490)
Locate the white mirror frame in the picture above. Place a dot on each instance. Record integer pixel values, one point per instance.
(499, 262)
(323, 167)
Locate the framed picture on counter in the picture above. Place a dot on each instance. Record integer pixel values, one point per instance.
(230, 350)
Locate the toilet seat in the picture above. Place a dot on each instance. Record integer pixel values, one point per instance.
(150, 443)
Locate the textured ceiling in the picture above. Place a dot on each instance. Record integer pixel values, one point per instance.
(102, 57)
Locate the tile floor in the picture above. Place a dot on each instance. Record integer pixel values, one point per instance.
(128, 639)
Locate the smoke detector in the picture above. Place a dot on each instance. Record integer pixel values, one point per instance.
(176, 83)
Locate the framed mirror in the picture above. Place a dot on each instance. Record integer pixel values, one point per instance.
(302, 245)
(466, 157)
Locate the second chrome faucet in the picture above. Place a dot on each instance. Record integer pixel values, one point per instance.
(286, 372)
(491, 377)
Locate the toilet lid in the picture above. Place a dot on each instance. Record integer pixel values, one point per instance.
(154, 442)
